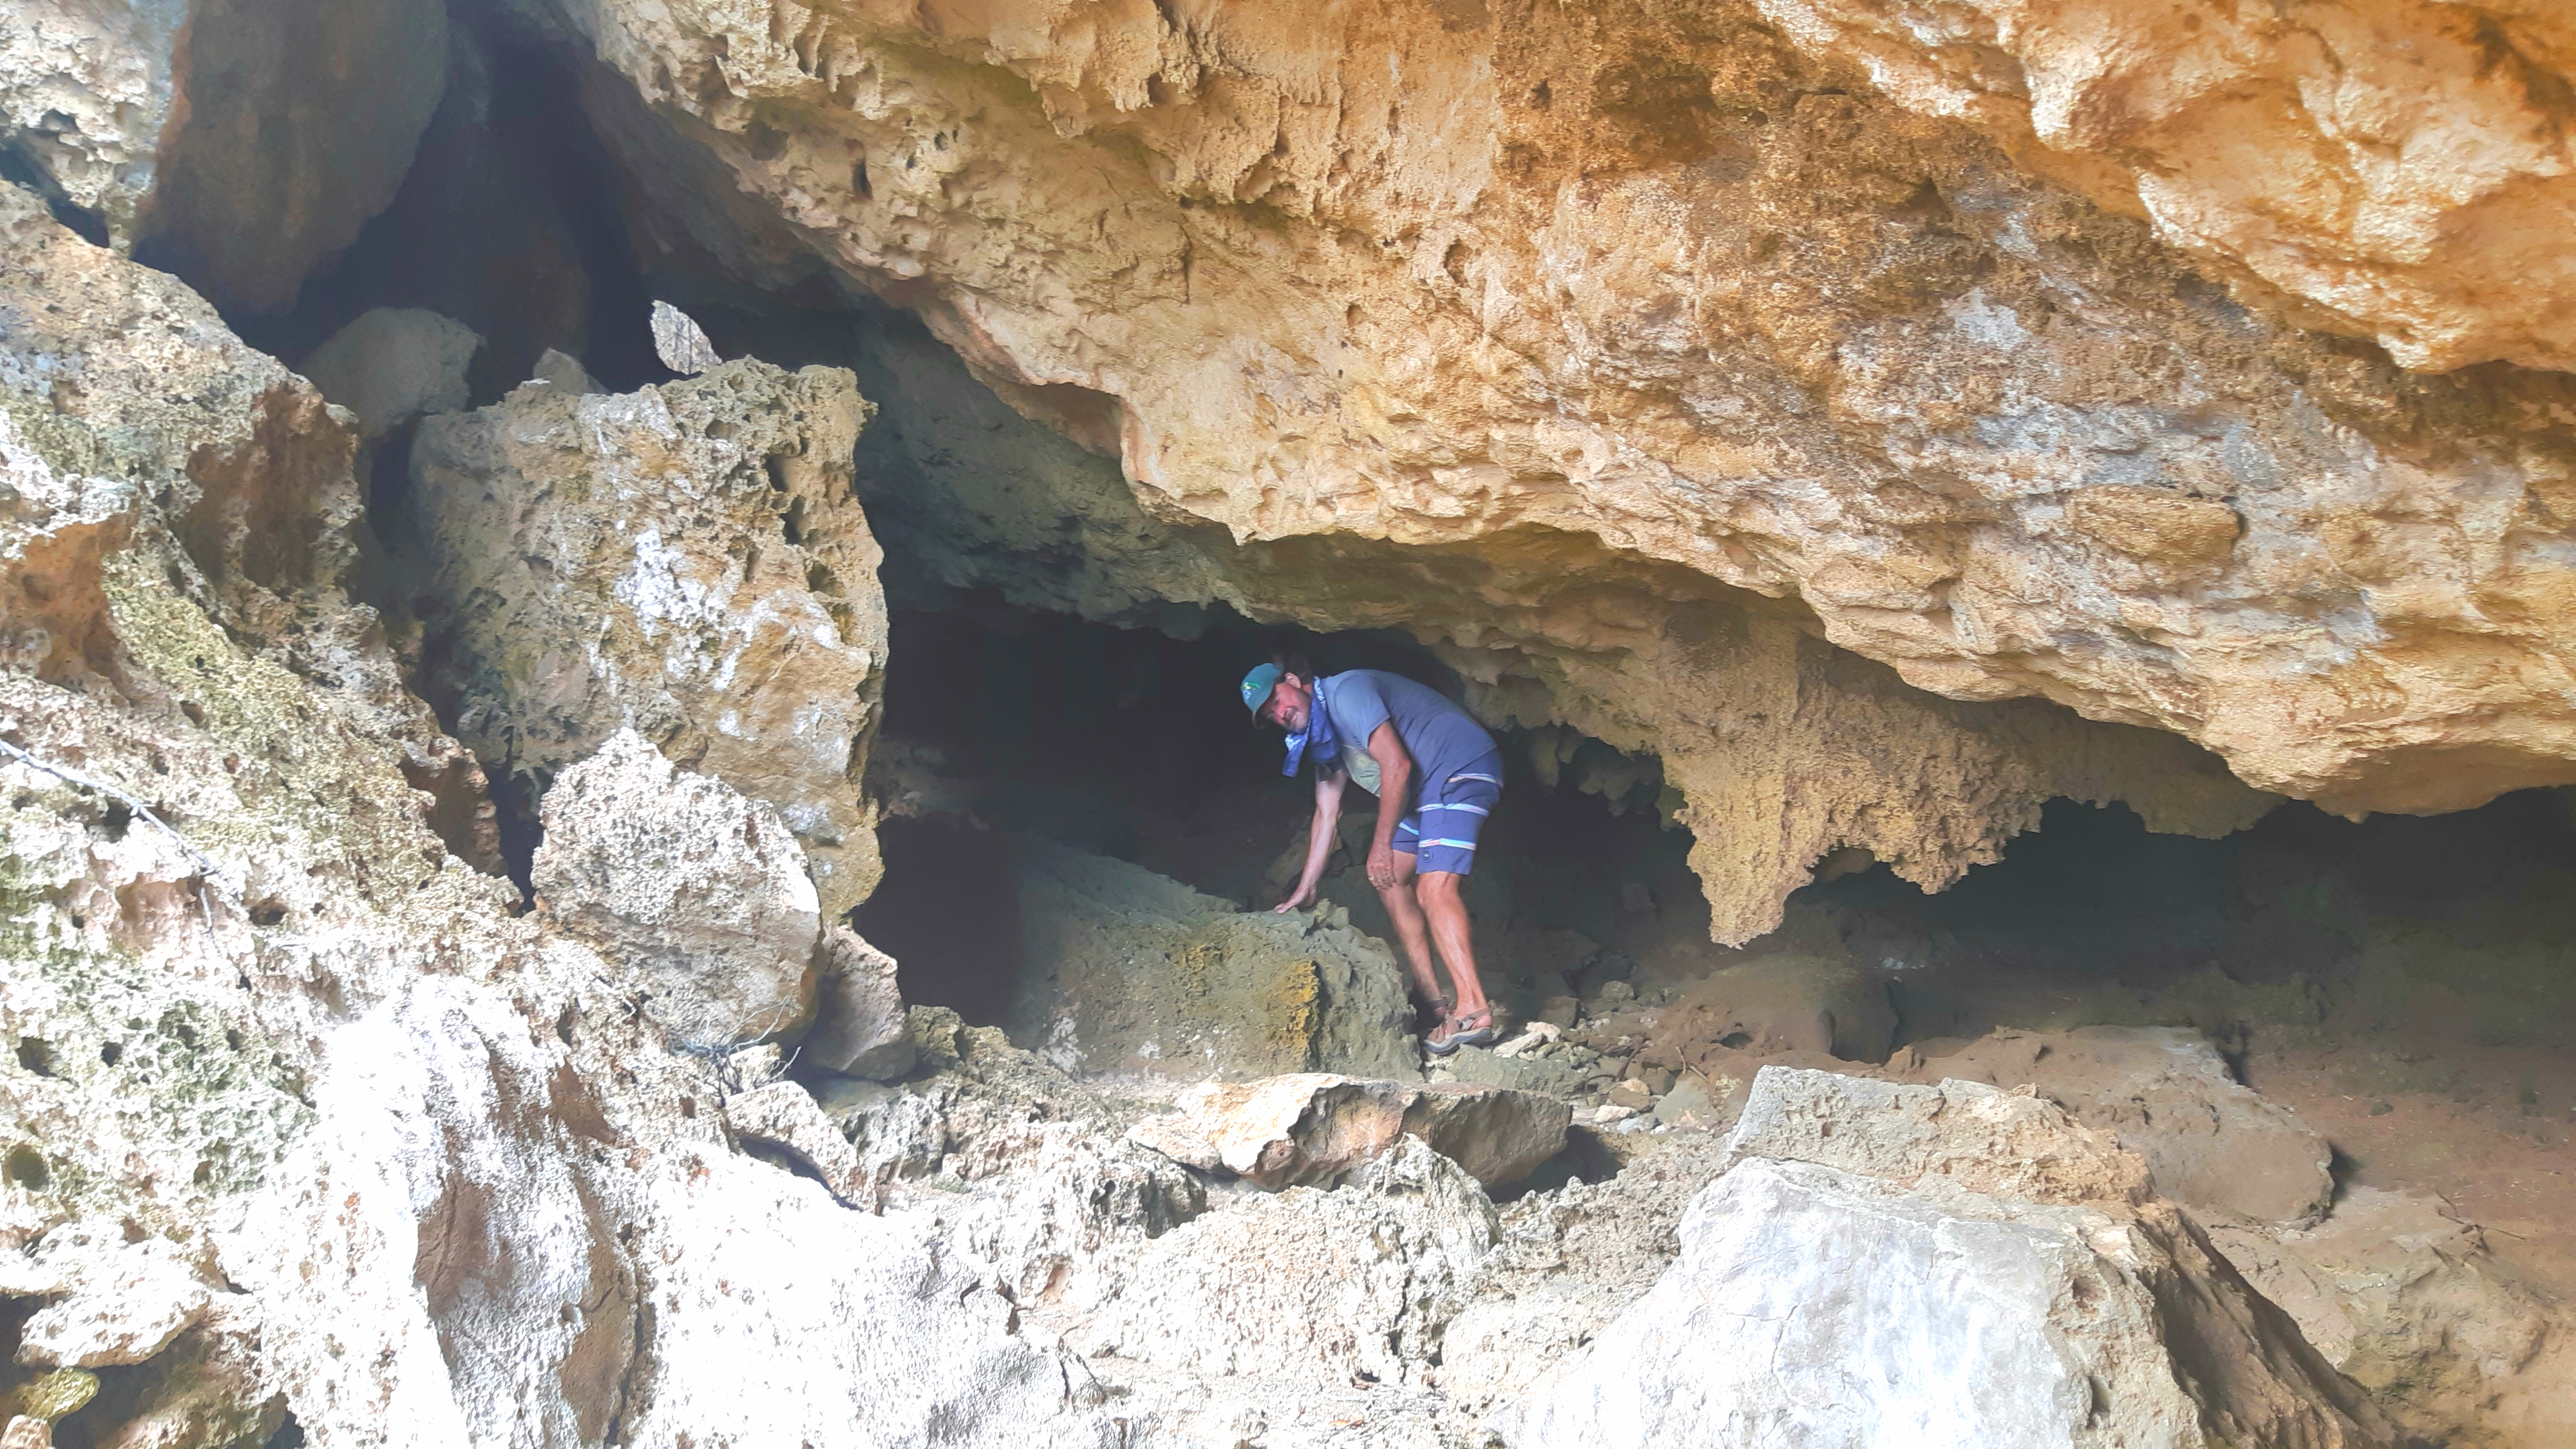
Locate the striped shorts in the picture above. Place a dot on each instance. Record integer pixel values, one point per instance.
(1440, 834)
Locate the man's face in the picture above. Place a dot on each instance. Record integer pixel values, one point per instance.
(1290, 700)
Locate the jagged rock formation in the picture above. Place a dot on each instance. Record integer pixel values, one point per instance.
(687, 561)
(1965, 1261)
(1662, 280)
(245, 139)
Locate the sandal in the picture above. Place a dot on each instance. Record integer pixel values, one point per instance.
(1427, 1015)
(1458, 1032)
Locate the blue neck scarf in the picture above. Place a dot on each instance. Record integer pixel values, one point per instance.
(1317, 738)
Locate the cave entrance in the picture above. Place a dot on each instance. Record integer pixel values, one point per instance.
(1132, 743)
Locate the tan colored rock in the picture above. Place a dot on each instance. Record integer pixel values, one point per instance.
(2403, 1296)
(2003, 1144)
(1125, 973)
(1571, 295)
(859, 1026)
(683, 560)
(2397, 171)
(697, 894)
(2164, 1093)
(1315, 1128)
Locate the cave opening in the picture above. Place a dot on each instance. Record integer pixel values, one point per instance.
(1131, 743)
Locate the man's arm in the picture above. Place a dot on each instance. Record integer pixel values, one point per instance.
(1394, 774)
(1329, 781)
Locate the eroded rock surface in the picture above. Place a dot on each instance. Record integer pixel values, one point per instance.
(2165, 1094)
(1317, 1128)
(1967, 1262)
(686, 561)
(698, 895)
(1639, 286)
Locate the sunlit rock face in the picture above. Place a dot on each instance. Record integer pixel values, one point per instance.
(1686, 285)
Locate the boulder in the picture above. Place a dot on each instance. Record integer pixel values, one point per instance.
(1955, 1263)
(393, 364)
(859, 1028)
(1315, 1129)
(1774, 1004)
(686, 560)
(1134, 974)
(696, 893)
(2165, 1093)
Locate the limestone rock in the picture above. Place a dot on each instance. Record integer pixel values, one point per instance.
(113, 1302)
(680, 342)
(557, 370)
(1668, 317)
(1356, 1281)
(2408, 1301)
(1132, 974)
(394, 363)
(1777, 1003)
(785, 1117)
(2289, 197)
(1315, 1129)
(1970, 1264)
(699, 895)
(859, 1027)
(244, 141)
(2165, 1093)
(683, 560)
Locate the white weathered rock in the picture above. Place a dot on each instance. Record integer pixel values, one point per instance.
(1307, 1283)
(1953, 1264)
(859, 1026)
(680, 342)
(697, 894)
(110, 1301)
(2165, 1093)
(393, 364)
(785, 1116)
(1315, 1128)
(684, 560)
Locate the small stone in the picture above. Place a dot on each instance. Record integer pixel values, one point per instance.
(680, 342)
(564, 372)
(1615, 993)
(1632, 1094)
(1560, 1011)
(784, 1116)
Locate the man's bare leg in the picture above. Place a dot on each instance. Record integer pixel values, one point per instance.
(1411, 930)
(1439, 901)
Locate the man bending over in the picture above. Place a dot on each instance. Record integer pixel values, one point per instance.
(1436, 775)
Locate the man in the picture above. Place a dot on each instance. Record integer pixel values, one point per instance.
(1436, 775)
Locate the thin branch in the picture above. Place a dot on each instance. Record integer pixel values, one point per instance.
(206, 867)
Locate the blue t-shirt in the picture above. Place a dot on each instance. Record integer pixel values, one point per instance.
(1442, 738)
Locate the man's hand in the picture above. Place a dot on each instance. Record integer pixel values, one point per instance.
(1381, 865)
(1305, 896)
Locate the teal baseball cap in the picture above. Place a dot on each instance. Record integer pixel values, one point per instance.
(1257, 686)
